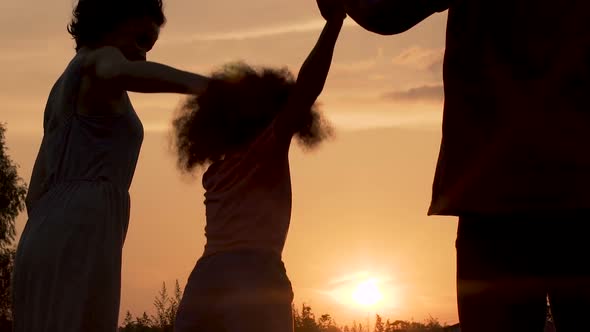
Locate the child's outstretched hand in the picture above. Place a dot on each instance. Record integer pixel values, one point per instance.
(332, 9)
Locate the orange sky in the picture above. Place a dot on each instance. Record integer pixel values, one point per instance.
(359, 205)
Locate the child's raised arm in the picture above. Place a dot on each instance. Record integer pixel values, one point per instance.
(314, 71)
(109, 65)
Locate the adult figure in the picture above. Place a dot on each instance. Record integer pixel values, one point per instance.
(514, 164)
(68, 264)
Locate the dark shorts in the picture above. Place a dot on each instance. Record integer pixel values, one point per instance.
(508, 266)
(244, 291)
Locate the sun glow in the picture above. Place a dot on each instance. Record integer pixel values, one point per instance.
(364, 291)
(367, 293)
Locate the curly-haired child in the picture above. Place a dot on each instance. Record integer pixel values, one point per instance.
(241, 128)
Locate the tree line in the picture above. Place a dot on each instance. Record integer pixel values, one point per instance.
(12, 202)
(166, 306)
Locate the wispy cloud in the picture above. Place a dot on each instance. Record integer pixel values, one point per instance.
(347, 279)
(355, 278)
(421, 58)
(427, 93)
(253, 33)
(364, 65)
(351, 121)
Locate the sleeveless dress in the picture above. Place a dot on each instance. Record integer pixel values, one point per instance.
(67, 275)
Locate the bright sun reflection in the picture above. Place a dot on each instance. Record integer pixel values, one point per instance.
(367, 293)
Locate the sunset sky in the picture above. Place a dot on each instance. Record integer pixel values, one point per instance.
(359, 201)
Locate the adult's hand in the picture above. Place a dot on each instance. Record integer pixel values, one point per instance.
(362, 10)
(332, 9)
(389, 17)
(360, 4)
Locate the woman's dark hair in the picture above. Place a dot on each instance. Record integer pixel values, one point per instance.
(238, 104)
(93, 19)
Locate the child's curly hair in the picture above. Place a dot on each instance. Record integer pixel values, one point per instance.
(238, 104)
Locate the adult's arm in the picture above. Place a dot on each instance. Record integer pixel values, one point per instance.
(390, 17)
(110, 66)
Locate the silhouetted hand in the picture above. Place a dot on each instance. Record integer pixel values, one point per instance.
(359, 4)
(332, 9)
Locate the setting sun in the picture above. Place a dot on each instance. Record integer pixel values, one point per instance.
(362, 291)
(367, 293)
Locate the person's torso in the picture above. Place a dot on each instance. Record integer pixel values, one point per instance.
(517, 117)
(75, 146)
(248, 201)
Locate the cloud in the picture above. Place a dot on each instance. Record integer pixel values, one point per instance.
(342, 121)
(349, 279)
(358, 121)
(421, 58)
(367, 64)
(348, 122)
(425, 93)
(254, 33)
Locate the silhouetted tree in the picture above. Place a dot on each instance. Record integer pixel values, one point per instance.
(12, 197)
(6, 266)
(400, 325)
(12, 194)
(165, 313)
(166, 308)
(388, 326)
(379, 326)
(327, 324)
(140, 324)
(144, 323)
(160, 303)
(128, 319)
(324, 322)
(430, 325)
(305, 321)
(356, 327)
(433, 323)
(175, 302)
